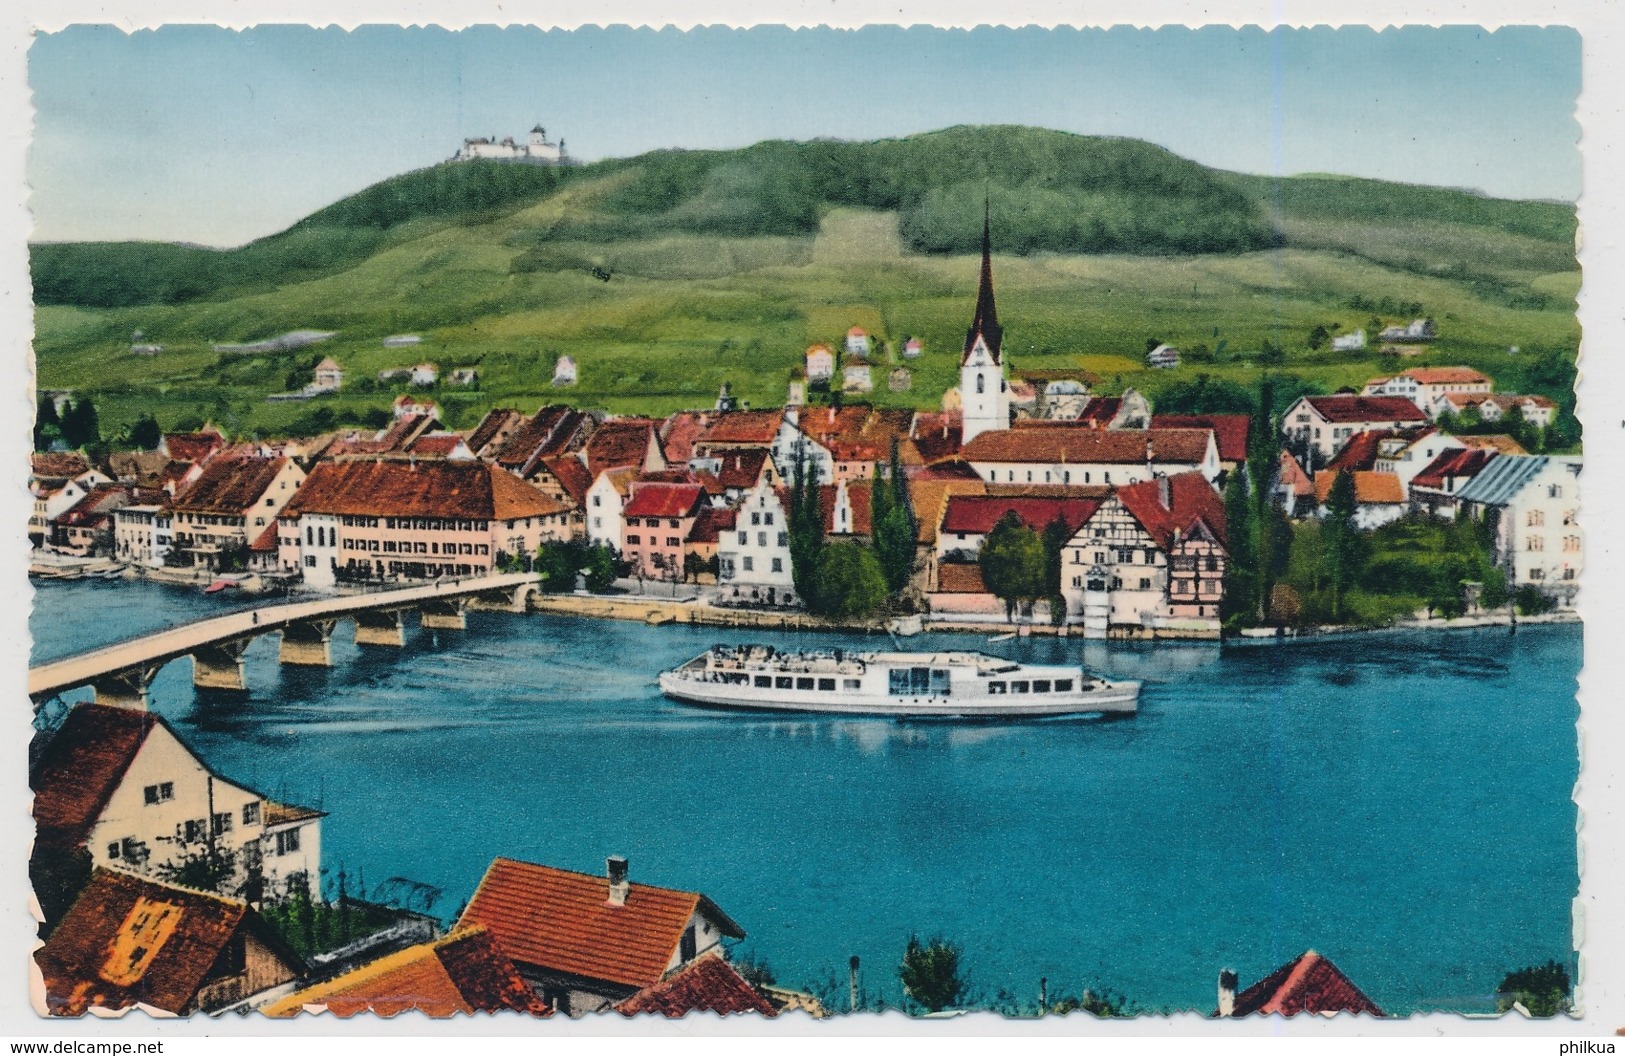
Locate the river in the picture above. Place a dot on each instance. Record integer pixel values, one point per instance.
(1398, 802)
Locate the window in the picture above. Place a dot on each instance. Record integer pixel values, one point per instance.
(784, 538)
(310, 560)
(287, 842)
(1535, 544)
(194, 831)
(1536, 519)
(1018, 687)
(981, 384)
(634, 540)
(1571, 544)
(764, 682)
(1555, 491)
(783, 682)
(761, 538)
(1145, 583)
(1041, 685)
(672, 540)
(1100, 556)
(767, 519)
(997, 687)
(161, 793)
(853, 684)
(749, 563)
(1125, 557)
(1063, 685)
(112, 850)
(1537, 573)
(778, 564)
(1077, 581)
(222, 822)
(251, 813)
(804, 683)
(826, 685)
(1212, 563)
(755, 518)
(744, 538)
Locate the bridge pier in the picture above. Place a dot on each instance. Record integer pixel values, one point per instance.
(125, 689)
(308, 643)
(380, 627)
(444, 614)
(220, 666)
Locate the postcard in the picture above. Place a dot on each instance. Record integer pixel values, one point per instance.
(615, 523)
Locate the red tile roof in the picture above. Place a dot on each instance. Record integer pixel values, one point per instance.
(82, 766)
(435, 445)
(96, 504)
(742, 467)
(681, 431)
(129, 940)
(266, 541)
(1494, 442)
(58, 465)
(460, 973)
(1229, 430)
(550, 431)
(495, 422)
(572, 475)
(1360, 450)
(621, 442)
(192, 447)
(711, 523)
(977, 514)
(229, 485)
(1310, 983)
(858, 496)
(1293, 475)
(1457, 462)
(1445, 376)
(1349, 408)
(743, 429)
(955, 578)
(664, 500)
(937, 436)
(1370, 488)
(708, 984)
(1101, 410)
(406, 429)
(1190, 501)
(461, 490)
(1054, 444)
(563, 922)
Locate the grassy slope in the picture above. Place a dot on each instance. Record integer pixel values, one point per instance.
(509, 287)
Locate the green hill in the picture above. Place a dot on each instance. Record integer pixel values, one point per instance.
(723, 265)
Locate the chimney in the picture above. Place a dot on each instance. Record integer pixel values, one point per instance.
(1227, 992)
(619, 885)
(1164, 493)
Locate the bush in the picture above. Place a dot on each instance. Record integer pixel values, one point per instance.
(931, 973)
(1544, 990)
(1530, 600)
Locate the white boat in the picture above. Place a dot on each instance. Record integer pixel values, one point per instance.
(947, 685)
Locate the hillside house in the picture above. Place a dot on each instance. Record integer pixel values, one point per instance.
(856, 377)
(913, 348)
(820, 363)
(1424, 386)
(425, 375)
(120, 785)
(900, 380)
(407, 406)
(1321, 425)
(357, 521)
(1163, 357)
(1415, 330)
(1354, 342)
(857, 342)
(564, 372)
(328, 376)
(132, 941)
(1378, 497)
(1496, 407)
(585, 943)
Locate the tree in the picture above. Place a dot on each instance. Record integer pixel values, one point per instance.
(1241, 579)
(145, 434)
(849, 582)
(1544, 990)
(556, 564)
(694, 566)
(1344, 547)
(931, 973)
(47, 424)
(1530, 600)
(891, 525)
(1494, 594)
(207, 869)
(80, 427)
(806, 517)
(1056, 536)
(601, 567)
(1012, 563)
(1318, 337)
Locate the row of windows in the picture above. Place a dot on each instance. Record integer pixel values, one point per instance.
(1037, 685)
(653, 522)
(747, 564)
(758, 517)
(1117, 583)
(436, 524)
(390, 546)
(1065, 475)
(761, 538)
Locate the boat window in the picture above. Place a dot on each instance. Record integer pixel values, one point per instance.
(1018, 687)
(939, 681)
(1041, 686)
(1063, 685)
(997, 687)
(804, 683)
(852, 683)
(827, 685)
(785, 683)
(764, 682)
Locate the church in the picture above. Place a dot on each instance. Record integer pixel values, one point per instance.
(983, 388)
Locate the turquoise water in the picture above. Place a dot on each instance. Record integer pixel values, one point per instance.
(1400, 803)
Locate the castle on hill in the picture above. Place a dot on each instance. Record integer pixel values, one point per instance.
(539, 150)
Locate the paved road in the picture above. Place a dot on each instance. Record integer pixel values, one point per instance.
(163, 646)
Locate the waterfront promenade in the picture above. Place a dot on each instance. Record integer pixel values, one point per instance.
(121, 672)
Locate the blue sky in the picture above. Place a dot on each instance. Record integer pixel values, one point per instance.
(192, 133)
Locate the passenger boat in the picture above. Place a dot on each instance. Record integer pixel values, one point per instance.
(948, 685)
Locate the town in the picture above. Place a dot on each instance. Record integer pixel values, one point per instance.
(1029, 500)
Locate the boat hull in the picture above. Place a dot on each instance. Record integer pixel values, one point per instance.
(1116, 698)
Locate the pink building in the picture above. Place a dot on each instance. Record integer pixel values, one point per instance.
(658, 519)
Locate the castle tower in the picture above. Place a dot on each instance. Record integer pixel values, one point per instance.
(984, 393)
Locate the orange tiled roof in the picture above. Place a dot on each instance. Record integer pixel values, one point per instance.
(82, 766)
(1191, 500)
(1229, 430)
(1494, 442)
(977, 514)
(1347, 408)
(1069, 443)
(460, 490)
(460, 973)
(193, 447)
(708, 984)
(572, 475)
(1370, 487)
(1310, 983)
(955, 578)
(1445, 376)
(664, 500)
(495, 421)
(621, 442)
(562, 921)
(58, 465)
(744, 428)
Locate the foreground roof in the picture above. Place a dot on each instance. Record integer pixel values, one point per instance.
(709, 984)
(82, 766)
(1172, 507)
(1310, 983)
(459, 490)
(464, 972)
(977, 514)
(1347, 408)
(664, 500)
(562, 921)
(130, 939)
(1370, 487)
(1456, 462)
(1502, 479)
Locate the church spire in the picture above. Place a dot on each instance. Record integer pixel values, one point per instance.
(986, 322)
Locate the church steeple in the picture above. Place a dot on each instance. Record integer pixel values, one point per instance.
(985, 324)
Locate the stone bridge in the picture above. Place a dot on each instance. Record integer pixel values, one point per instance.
(121, 673)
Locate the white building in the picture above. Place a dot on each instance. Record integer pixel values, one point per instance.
(857, 342)
(984, 393)
(136, 536)
(564, 372)
(425, 374)
(793, 448)
(857, 378)
(1495, 407)
(120, 783)
(1405, 457)
(1354, 342)
(329, 376)
(1074, 456)
(1324, 424)
(1533, 501)
(605, 501)
(1163, 357)
(1424, 386)
(820, 363)
(538, 150)
(913, 348)
(753, 560)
